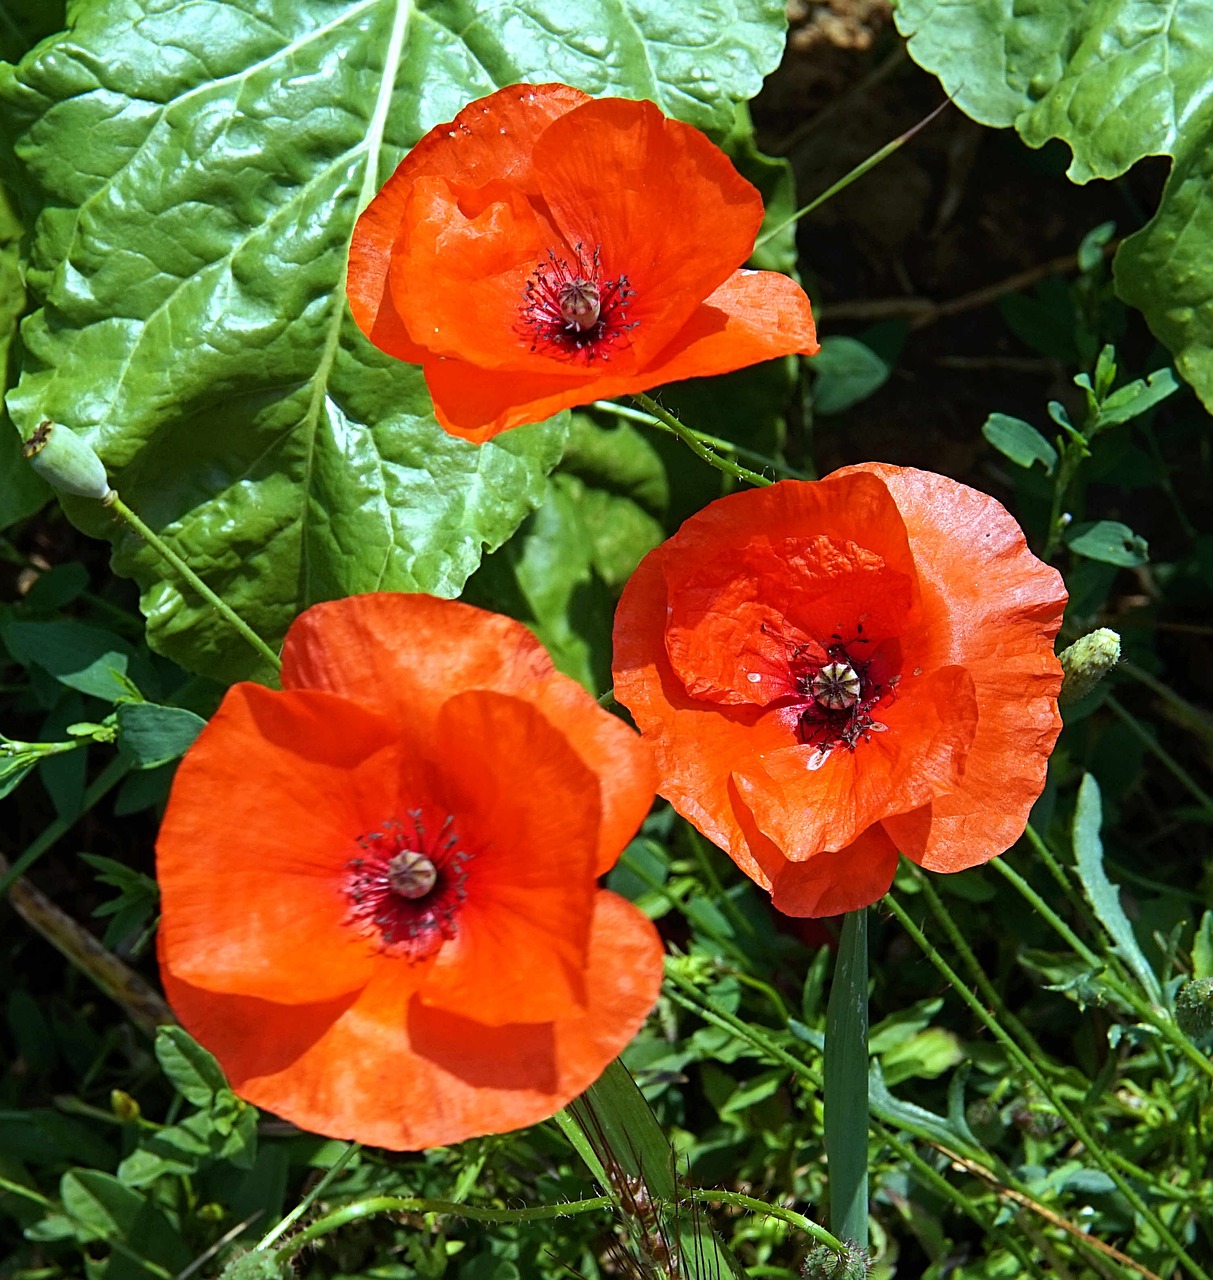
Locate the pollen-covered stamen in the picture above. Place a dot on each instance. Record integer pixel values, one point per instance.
(571, 312)
(406, 887)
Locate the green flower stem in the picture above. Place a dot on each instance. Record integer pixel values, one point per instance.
(706, 1195)
(1072, 1121)
(312, 1196)
(1151, 743)
(690, 997)
(716, 442)
(368, 1208)
(695, 443)
(166, 553)
(1058, 872)
(1124, 989)
(988, 991)
(932, 1178)
(846, 1083)
(857, 172)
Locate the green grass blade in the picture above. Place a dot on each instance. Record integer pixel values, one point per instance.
(846, 1083)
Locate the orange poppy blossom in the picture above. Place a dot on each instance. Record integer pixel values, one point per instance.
(836, 670)
(379, 893)
(545, 249)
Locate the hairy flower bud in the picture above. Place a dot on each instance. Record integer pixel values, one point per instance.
(823, 1263)
(1086, 662)
(1194, 1007)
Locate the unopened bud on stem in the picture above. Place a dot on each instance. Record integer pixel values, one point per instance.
(1086, 662)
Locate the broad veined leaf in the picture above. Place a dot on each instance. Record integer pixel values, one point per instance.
(195, 171)
(1117, 80)
(21, 491)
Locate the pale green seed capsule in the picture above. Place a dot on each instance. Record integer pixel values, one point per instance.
(1086, 662)
(67, 462)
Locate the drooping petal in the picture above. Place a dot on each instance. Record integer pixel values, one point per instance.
(383, 1069)
(608, 171)
(404, 654)
(265, 813)
(831, 883)
(523, 927)
(491, 139)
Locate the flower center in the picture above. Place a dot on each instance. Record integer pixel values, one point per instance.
(406, 887)
(580, 304)
(840, 695)
(411, 875)
(569, 311)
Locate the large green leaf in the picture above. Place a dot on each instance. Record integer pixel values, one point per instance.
(195, 171)
(1117, 80)
(21, 491)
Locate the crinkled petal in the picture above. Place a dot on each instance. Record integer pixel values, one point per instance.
(831, 883)
(403, 654)
(265, 813)
(601, 168)
(491, 139)
(992, 606)
(804, 804)
(382, 1069)
(458, 278)
(753, 316)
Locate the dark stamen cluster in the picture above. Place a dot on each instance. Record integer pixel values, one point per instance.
(570, 311)
(406, 887)
(841, 697)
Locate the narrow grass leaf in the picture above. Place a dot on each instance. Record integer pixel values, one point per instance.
(1102, 894)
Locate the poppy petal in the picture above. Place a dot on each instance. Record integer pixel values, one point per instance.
(831, 883)
(489, 139)
(523, 927)
(998, 617)
(324, 1066)
(600, 167)
(403, 654)
(250, 865)
(720, 335)
(458, 279)
(804, 804)
(753, 316)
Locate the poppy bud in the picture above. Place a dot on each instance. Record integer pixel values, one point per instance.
(1086, 662)
(1194, 1007)
(67, 462)
(822, 1263)
(124, 1106)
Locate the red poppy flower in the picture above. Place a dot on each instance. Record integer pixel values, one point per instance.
(545, 249)
(834, 671)
(379, 885)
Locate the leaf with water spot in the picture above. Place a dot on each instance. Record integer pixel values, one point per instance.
(195, 171)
